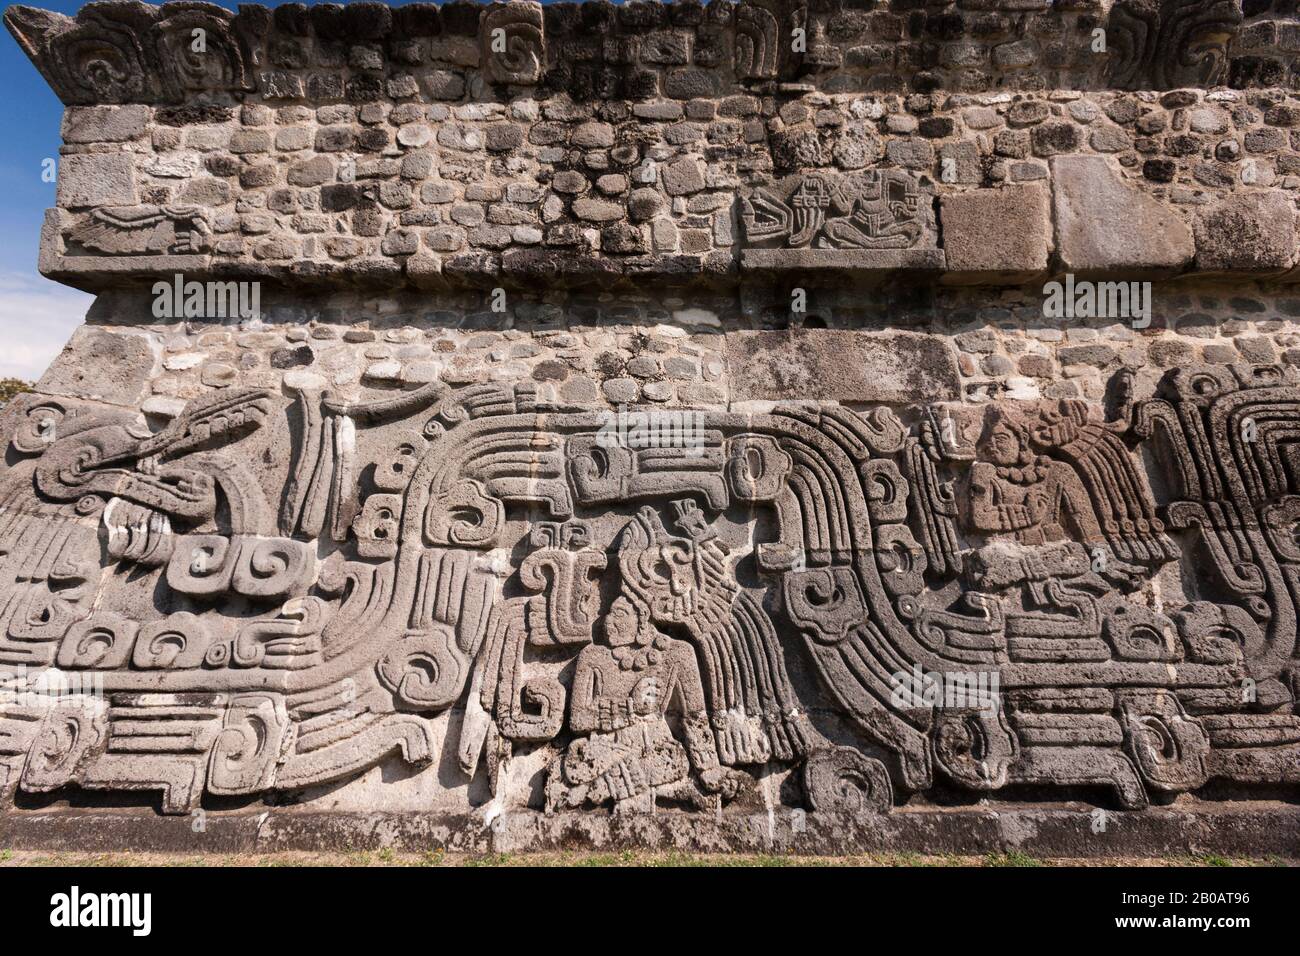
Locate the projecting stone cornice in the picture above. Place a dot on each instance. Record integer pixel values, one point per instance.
(127, 52)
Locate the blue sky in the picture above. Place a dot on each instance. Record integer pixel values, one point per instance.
(36, 315)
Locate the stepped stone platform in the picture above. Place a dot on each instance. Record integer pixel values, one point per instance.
(830, 426)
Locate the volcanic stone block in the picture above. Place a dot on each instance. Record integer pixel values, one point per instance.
(683, 177)
(843, 365)
(997, 234)
(1104, 225)
(112, 367)
(104, 124)
(96, 179)
(1248, 232)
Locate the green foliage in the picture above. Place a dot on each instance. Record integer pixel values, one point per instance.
(9, 387)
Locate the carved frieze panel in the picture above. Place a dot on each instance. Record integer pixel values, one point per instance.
(1162, 44)
(123, 52)
(640, 609)
(877, 218)
(681, 548)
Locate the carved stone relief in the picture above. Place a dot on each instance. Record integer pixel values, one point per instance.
(917, 542)
(618, 606)
(878, 217)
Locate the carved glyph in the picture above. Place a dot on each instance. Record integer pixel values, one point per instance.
(877, 209)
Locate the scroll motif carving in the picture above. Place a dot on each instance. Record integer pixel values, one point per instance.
(122, 52)
(513, 48)
(414, 544)
(663, 624)
(1165, 44)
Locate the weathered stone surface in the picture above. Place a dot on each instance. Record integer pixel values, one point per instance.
(842, 366)
(105, 124)
(1104, 225)
(683, 177)
(1249, 232)
(103, 366)
(1004, 233)
(855, 260)
(1175, 832)
(510, 415)
(97, 179)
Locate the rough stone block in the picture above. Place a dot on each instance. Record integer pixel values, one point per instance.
(997, 234)
(1248, 232)
(104, 124)
(841, 365)
(103, 365)
(683, 177)
(97, 179)
(1104, 225)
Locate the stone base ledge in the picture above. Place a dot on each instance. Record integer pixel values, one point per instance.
(850, 260)
(1258, 829)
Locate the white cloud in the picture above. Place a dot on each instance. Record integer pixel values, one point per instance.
(37, 317)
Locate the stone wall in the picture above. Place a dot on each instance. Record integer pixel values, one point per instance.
(523, 190)
(663, 406)
(372, 144)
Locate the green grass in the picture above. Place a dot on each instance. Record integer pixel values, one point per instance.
(1011, 858)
